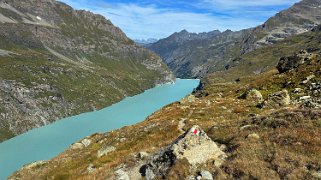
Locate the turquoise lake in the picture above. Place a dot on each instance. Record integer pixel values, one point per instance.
(47, 142)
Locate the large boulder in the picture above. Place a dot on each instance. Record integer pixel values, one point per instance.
(105, 150)
(194, 146)
(278, 99)
(253, 95)
(288, 63)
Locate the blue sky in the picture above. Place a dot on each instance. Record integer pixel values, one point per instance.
(142, 19)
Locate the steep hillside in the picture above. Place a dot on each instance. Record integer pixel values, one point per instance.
(265, 127)
(56, 62)
(193, 57)
(266, 58)
(299, 18)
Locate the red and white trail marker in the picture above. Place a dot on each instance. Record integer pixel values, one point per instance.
(195, 131)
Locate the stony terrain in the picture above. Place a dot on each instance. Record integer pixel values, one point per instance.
(56, 62)
(195, 55)
(265, 126)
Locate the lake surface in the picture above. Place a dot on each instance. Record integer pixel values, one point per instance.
(47, 142)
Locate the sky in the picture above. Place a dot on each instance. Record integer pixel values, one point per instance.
(143, 19)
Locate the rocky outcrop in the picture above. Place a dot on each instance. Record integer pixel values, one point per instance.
(254, 96)
(194, 145)
(278, 99)
(188, 100)
(288, 63)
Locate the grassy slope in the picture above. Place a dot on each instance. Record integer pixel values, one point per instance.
(265, 59)
(106, 81)
(289, 144)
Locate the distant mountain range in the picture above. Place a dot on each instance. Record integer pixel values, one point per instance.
(57, 62)
(192, 55)
(145, 41)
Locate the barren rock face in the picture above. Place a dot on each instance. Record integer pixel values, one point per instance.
(194, 145)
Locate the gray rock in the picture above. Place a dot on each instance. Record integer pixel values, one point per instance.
(317, 174)
(35, 164)
(279, 99)
(206, 175)
(91, 168)
(190, 178)
(86, 142)
(288, 63)
(254, 95)
(303, 98)
(194, 145)
(297, 90)
(253, 136)
(223, 147)
(188, 99)
(149, 174)
(142, 155)
(245, 127)
(105, 150)
(307, 79)
(77, 146)
(122, 175)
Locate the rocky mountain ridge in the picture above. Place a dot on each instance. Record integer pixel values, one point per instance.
(188, 57)
(56, 62)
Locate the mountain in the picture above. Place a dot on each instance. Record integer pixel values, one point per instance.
(193, 56)
(264, 126)
(57, 62)
(145, 41)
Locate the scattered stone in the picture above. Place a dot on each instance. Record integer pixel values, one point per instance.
(86, 142)
(190, 178)
(278, 99)
(181, 125)
(218, 162)
(91, 168)
(307, 79)
(142, 155)
(122, 175)
(208, 103)
(223, 147)
(35, 164)
(149, 174)
(206, 175)
(253, 136)
(123, 139)
(317, 174)
(76, 146)
(254, 96)
(188, 99)
(303, 98)
(288, 63)
(245, 127)
(105, 150)
(186, 146)
(297, 90)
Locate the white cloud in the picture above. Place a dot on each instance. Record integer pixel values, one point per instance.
(150, 21)
(238, 4)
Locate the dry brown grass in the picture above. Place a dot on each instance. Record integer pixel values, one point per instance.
(289, 146)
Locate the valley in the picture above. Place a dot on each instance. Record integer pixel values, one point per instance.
(256, 113)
